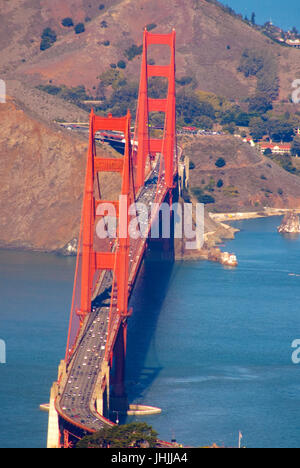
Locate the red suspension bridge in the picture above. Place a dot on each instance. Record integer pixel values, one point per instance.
(90, 386)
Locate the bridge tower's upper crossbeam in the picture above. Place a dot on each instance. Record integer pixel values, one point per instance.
(148, 146)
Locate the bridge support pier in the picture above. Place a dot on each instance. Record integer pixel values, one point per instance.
(103, 392)
(53, 423)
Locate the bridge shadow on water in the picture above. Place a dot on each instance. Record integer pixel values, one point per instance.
(147, 300)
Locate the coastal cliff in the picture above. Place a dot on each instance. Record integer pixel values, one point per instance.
(290, 224)
(41, 174)
(214, 234)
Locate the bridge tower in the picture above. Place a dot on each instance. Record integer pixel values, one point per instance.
(167, 145)
(112, 255)
(93, 260)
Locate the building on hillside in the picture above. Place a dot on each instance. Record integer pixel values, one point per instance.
(278, 148)
(293, 43)
(249, 140)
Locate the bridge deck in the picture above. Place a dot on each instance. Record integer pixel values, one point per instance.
(75, 403)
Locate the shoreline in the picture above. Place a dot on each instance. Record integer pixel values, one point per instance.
(214, 240)
(268, 212)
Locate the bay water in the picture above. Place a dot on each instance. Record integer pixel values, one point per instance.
(209, 345)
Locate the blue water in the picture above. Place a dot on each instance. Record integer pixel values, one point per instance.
(284, 15)
(218, 354)
(211, 346)
(35, 292)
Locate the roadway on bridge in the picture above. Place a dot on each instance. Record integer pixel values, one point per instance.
(76, 403)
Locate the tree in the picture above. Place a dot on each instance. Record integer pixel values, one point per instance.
(191, 110)
(257, 128)
(221, 162)
(133, 51)
(79, 28)
(67, 22)
(263, 65)
(122, 64)
(230, 128)
(151, 26)
(296, 147)
(134, 435)
(253, 16)
(49, 37)
(280, 130)
(268, 152)
(242, 119)
(251, 62)
(124, 98)
(260, 103)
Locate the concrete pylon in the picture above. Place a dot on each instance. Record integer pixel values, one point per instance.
(53, 423)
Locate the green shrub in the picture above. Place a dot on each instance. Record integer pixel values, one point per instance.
(231, 191)
(121, 64)
(67, 22)
(79, 28)
(221, 162)
(185, 80)
(133, 51)
(135, 435)
(296, 146)
(206, 199)
(202, 197)
(151, 26)
(50, 89)
(220, 183)
(49, 37)
(263, 65)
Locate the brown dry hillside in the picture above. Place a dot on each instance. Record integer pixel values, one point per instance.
(204, 32)
(250, 180)
(42, 176)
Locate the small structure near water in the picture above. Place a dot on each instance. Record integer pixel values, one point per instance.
(71, 249)
(225, 258)
(290, 224)
(228, 259)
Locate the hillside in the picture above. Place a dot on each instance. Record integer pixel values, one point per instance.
(209, 42)
(42, 176)
(247, 182)
(42, 166)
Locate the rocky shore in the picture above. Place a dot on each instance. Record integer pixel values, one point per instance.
(290, 224)
(214, 234)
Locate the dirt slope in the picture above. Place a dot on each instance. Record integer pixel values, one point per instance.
(250, 180)
(209, 42)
